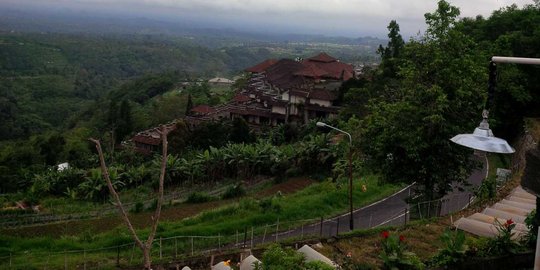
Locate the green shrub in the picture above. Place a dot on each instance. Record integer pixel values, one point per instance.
(199, 197)
(530, 238)
(234, 192)
(153, 205)
(277, 258)
(487, 190)
(395, 255)
(318, 265)
(138, 207)
(454, 249)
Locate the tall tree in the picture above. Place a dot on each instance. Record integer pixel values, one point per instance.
(189, 105)
(147, 245)
(125, 121)
(441, 77)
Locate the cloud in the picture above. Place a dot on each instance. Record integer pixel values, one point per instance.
(351, 17)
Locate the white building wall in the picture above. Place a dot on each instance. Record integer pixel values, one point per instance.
(280, 110)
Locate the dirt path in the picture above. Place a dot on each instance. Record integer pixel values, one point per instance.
(142, 220)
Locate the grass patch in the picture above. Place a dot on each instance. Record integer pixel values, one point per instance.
(320, 199)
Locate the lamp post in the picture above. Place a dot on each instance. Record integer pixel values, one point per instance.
(351, 220)
(484, 140)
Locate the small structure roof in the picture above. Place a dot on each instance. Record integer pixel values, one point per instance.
(203, 109)
(248, 263)
(312, 255)
(241, 98)
(220, 80)
(221, 266)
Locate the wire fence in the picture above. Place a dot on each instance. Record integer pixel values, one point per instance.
(393, 211)
(28, 218)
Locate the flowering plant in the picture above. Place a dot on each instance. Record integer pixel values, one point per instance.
(504, 242)
(394, 254)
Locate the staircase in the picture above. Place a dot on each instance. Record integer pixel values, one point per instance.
(515, 206)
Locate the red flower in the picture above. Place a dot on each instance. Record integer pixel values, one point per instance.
(509, 222)
(385, 234)
(401, 238)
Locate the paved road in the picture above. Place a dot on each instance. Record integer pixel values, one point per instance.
(390, 211)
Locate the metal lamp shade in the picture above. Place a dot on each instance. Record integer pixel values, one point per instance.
(483, 140)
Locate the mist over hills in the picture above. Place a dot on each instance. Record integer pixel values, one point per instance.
(64, 21)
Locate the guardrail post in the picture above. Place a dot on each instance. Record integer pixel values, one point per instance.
(337, 227)
(320, 231)
(160, 248)
(251, 237)
(245, 237)
(175, 247)
(84, 258)
(277, 229)
(264, 234)
(118, 256)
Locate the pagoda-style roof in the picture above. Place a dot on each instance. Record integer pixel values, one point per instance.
(261, 67)
(312, 70)
(322, 57)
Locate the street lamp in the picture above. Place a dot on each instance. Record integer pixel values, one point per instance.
(351, 220)
(483, 139)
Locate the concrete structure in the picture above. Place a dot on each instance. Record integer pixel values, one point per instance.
(515, 206)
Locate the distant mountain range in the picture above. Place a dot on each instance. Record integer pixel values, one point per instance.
(64, 22)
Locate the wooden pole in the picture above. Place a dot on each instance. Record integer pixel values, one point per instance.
(192, 246)
(84, 259)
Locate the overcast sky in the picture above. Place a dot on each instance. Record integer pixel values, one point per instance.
(353, 18)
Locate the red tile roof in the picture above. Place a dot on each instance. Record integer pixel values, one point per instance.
(203, 109)
(322, 57)
(241, 98)
(146, 139)
(311, 69)
(261, 67)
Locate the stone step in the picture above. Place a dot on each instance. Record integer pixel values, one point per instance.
(511, 209)
(524, 195)
(522, 200)
(525, 206)
(481, 228)
(491, 220)
(505, 215)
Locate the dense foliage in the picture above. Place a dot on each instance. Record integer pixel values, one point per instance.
(434, 86)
